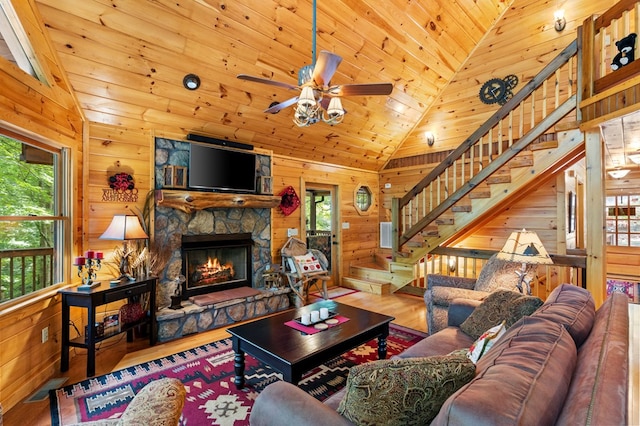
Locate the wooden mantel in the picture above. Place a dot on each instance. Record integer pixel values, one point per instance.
(190, 201)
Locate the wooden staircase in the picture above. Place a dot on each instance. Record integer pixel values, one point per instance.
(497, 165)
(381, 276)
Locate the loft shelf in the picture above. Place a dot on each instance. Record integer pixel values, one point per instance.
(190, 201)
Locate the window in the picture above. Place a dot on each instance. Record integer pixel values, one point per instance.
(362, 199)
(623, 220)
(32, 224)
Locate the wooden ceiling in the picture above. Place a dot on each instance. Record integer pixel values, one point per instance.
(126, 60)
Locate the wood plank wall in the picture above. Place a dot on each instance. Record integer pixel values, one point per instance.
(43, 113)
(358, 243)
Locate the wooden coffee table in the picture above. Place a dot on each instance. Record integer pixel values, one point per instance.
(292, 352)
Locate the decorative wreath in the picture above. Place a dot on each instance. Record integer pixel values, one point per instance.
(290, 201)
(121, 182)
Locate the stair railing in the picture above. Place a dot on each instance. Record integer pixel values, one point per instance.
(544, 100)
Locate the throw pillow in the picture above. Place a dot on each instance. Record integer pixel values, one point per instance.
(501, 305)
(485, 342)
(407, 391)
(308, 263)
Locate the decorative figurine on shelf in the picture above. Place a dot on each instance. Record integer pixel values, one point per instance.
(87, 266)
(177, 293)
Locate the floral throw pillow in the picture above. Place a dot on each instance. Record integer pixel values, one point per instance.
(485, 342)
(407, 391)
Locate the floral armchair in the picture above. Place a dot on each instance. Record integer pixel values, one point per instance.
(442, 289)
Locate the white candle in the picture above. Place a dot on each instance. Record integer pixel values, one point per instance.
(315, 316)
(306, 319)
(324, 313)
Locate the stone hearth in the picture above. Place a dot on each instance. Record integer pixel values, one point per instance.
(173, 324)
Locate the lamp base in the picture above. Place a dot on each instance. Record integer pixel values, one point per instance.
(176, 302)
(523, 284)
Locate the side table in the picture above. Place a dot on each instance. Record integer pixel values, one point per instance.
(101, 295)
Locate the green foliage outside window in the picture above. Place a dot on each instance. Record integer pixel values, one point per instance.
(27, 203)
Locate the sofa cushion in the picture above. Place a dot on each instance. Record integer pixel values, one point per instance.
(443, 342)
(501, 305)
(573, 307)
(406, 391)
(598, 392)
(523, 379)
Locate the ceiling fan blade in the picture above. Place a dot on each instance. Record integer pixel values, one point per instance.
(361, 89)
(326, 65)
(265, 81)
(282, 105)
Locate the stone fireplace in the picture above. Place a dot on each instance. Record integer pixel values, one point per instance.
(236, 230)
(215, 262)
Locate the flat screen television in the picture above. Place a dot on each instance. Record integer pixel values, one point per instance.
(219, 169)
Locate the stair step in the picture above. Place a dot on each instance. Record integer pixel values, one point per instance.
(368, 286)
(522, 160)
(414, 244)
(444, 221)
(499, 178)
(537, 146)
(464, 209)
(431, 232)
(480, 194)
(382, 259)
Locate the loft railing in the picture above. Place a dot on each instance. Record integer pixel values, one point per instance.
(604, 91)
(25, 271)
(549, 97)
(570, 268)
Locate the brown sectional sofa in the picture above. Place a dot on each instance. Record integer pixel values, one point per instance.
(566, 364)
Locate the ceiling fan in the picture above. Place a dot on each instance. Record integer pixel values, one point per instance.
(318, 99)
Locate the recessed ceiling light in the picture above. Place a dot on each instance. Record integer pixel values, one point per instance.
(191, 81)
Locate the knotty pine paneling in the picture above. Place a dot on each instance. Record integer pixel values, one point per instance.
(47, 113)
(521, 43)
(356, 244)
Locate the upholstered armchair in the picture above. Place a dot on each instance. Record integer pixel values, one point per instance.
(442, 289)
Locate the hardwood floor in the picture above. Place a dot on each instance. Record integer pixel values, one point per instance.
(408, 310)
(117, 353)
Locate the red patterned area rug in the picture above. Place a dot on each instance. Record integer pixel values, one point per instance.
(207, 372)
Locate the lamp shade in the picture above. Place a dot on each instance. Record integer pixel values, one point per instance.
(124, 227)
(307, 98)
(524, 247)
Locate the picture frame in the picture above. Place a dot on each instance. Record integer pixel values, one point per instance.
(265, 185)
(174, 177)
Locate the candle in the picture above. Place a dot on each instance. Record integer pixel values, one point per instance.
(324, 313)
(79, 261)
(306, 319)
(315, 316)
(90, 254)
(99, 255)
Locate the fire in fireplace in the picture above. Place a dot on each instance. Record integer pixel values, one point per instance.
(215, 262)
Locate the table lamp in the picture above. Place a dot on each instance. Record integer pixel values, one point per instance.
(524, 247)
(125, 228)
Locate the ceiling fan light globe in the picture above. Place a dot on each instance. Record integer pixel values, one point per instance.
(335, 108)
(307, 98)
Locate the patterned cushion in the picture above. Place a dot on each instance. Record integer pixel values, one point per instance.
(485, 342)
(502, 305)
(406, 391)
(158, 403)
